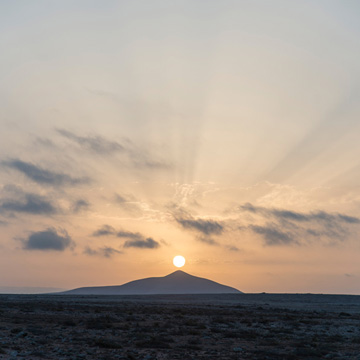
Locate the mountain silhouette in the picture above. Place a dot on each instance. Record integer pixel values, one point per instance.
(178, 282)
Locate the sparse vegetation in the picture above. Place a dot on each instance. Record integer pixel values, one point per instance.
(87, 328)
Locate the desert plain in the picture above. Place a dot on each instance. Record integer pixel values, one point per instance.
(223, 326)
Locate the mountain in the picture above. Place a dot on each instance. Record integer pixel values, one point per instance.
(178, 282)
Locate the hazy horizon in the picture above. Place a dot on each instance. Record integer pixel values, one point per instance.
(223, 131)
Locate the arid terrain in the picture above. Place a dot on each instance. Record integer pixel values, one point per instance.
(234, 326)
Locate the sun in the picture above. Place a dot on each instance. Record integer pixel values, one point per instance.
(179, 261)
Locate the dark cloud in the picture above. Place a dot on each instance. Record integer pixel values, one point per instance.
(318, 216)
(348, 219)
(47, 240)
(130, 235)
(80, 205)
(30, 204)
(290, 215)
(148, 243)
(206, 227)
(96, 144)
(105, 251)
(272, 235)
(134, 239)
(105, 230)
(43, 176)
(291, 227)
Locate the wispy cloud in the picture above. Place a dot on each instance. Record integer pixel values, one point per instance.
(206, 227)
(207, 240)
(105, 230)
(129, 235)
(232, 248)
(30, 204)
(105, 251)
(134, 239)
(286, 227)
(128, 203)
(137, 157)
(148, 243)
(318, 216)
(273, 236)
(49, 239)
(44, 176)
(80, 205)
(137, 240)
(96, 144)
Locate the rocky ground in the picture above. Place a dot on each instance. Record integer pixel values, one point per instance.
(60, 327)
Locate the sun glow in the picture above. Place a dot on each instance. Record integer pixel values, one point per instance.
(179, 261)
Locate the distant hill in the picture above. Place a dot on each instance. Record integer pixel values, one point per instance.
(178, 282)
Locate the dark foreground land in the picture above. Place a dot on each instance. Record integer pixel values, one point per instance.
(239, 326)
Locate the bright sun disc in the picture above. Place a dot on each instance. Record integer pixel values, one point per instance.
(179, 261)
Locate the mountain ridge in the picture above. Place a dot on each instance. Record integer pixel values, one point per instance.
(177, 282)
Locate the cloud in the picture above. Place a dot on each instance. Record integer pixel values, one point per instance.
(272, 235)
(106, 251)
(130, 235)
(80, 205)
(121, 199)
(205, 227)
(43, 176)
(286, 227)
(48, 240)
(30, 204)
(148, 243)
(44, 142)
(207, 240)
(318, 216)
(96, 144)
(105, 230)
(232, 248)
(128, 203)
(135, 239)
(139, 158)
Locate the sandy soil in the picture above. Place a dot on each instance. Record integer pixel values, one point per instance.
(239, 326)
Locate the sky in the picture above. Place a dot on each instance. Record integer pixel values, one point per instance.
(223, 131)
